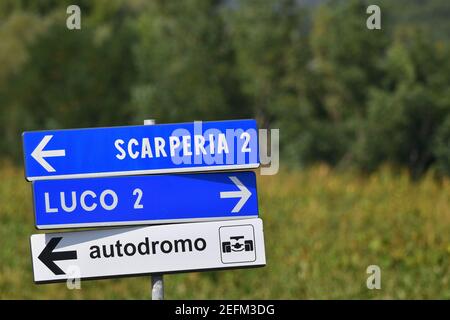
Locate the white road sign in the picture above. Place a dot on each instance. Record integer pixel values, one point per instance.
(145, 250)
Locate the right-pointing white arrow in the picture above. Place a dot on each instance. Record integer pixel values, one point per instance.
(244, 194)
(39, 154)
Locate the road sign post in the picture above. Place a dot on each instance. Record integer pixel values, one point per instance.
(157, 283)
(157, 280)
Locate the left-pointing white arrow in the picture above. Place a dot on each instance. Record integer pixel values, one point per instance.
(39, 154)
(243, 193)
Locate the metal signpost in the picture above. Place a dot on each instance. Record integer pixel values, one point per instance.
(145, 175)
(156, 280)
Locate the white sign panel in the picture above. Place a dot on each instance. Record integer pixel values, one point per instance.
(145, 250)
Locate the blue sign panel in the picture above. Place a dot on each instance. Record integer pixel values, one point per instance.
(135, 150)
(144, 199)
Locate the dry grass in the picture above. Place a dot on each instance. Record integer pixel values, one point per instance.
(322, 228)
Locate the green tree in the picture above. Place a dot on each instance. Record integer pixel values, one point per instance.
(71, 79)
(268, 39)
(441, 147)
(18, 31)
(185, 64)
(332, 102)
(413, 102)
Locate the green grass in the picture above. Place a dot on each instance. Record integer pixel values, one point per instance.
(322, 229)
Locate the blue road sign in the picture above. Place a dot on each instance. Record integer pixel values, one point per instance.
(147, 199)
(135, 150)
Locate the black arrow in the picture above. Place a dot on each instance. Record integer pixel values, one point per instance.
(48, 256)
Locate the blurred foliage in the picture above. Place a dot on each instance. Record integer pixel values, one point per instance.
(185, 64)
(340, 93)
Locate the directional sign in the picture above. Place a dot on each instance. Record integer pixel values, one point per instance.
(145, 250)
(135, 150)
(149, 199)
